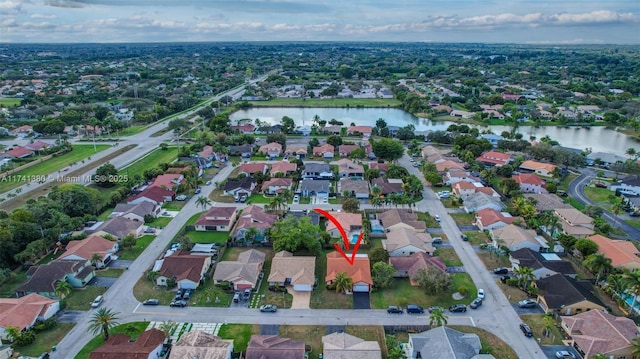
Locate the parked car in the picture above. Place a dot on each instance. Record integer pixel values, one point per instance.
(437, 240)
(415, 309)
(526, 330)
(393, 309)
(437, 218)
(476, 303)
(527, 303)
(464, 237)
(198, 190)
(181, 198)
(208, 183)
(178, 303)
(96, 302)
(480, 293)
(564, 354)
(501, 270)
(562, 193)
(505, 278)
(431, 309)
(601, 185)
(458, 308)
(268, 308)
(236, 298)
(634, 214)
(178, 294)
(187, 294)
(150, 230)
(150, 302)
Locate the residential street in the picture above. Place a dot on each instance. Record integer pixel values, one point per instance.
(496, 315)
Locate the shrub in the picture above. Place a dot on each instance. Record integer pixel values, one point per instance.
(463, 290)
(223, 285)
(25, 338)
(512, 282)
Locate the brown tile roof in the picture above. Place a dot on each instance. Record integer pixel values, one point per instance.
(300, 269)
(347, 184)
(251, 168)
(245, 268)
(44, 277)
(254, 216)
(596, 332)
(296, 149)
(182, 265)
(347, 220)
(345, 346)
(23, 312)
(360, 271)
(283, 166)
(216, 216)
(201, 345)
(157, 194)
(386, 186)
(277, 182)
(402, 237)
(347, 149)
(274, 347)
(528, 178)
(87, 247)
(573, 216)
(534, 165)
(394, 216)
(383, 167)
(167, 180)
(547, 201)
(415, 262)
(271, 148)
(512, 235)
(345, 165)
(361, 129)
(119, 347)
(490, 216)
(619, 251)
(120, 227)
(19, 152)
(442, 166)
(320, 150)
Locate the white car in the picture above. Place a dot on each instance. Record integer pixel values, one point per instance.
(480, 293)
(437, 218)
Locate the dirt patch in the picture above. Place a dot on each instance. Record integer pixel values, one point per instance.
(512, 293)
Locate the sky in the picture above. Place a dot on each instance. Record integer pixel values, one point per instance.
(485, 21)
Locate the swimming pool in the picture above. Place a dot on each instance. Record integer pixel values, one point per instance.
(354, 238)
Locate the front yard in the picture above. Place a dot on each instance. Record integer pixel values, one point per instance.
(402, 293)
(239, 333)
(45, 340)
(536, 323)
(323, 298)
(132, 253)
(464, 219)
(207, 236)
(81, 298)
(449, 256)
(132, 330)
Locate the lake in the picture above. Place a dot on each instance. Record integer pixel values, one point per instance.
(598, 138)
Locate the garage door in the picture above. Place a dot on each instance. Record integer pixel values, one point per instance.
(361, 288)
(187, 285)
(302, 287)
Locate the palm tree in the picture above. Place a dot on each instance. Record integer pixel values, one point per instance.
(343, 283)
(525, 275)
(616, 285)
(632, 282)
(203, 202)
(548, 322)
(95, 259)
(636, 346)
(12, 333)
(168, 327)
(277, 203)
(152, 276)
(251, 234)
(438, 318)
(599, 265)
(287, 195)
(102, 321)
(63, 288)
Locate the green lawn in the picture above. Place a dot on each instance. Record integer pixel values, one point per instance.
(633, 222)
(110, 272)
(149, 161)
(130, 254)
(323, 298)
(159, 222)
(599, 196)
(131, 130)
(144, 290)
(240, 333)
(50, 166)
(333, 102)
(310, 334)
(105, 215)
(264, 296)
(491, 344)
(536, 324)
(428, 219)
(174, 205)
(80, 299)
(10, 102)
(464, 219)
(574, 202)
(448, 255)
(8, 289)
(564, 183)
(259, 198)
(133, 330)
(402, 293)
(208, 295)
(207, 236)
(46, 340)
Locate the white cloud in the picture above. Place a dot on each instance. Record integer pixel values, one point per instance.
(42, 16)
(10, 7)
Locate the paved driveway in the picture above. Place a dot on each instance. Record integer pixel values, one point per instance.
(335, 329)
(102, 281)
(269, 329)
(550, 350)
(119, 264)
(361, 300)
(300, 299)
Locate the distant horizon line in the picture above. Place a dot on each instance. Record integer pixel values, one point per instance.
(541, 43)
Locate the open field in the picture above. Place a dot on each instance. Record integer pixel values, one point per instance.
(50, 166)
(132, 330)
(333, 102)
(10, 102)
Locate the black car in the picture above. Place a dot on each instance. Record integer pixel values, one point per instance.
(476, 303)
(634, 214)
(150, 302)
(178, 303)
(393, 309)
(505, 278)
(526, 330)
(464, 237)
(458, 308)
(501, 270)
(562, 193)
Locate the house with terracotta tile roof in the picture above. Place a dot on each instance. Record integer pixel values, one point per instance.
(250, 168)
(494, 159)
(351, 222)
(85, 249)
(17, 152)
(359, 272)
(364, 131)
(37, 146)
(242, 273)
(220, 219)
(598, 332)
(244, 129)
(514, 238)
(168, 181)
(272, 150)
(324, 151)
(42, 279)
(530, 183)
(155, 195)
(403, 242)
(443, 166)
(455, 175)
(574, 222)
(407, 267)
(349, 169)
(296, 271)
(207, 153)
(186, 269)
(395, 218)
(285, 167)
(119, 346)
(345, 346)
(463, 189)
(382, 167)
(202, 345)
(488, 219)
(623, 254)
(276, 185)
(22, 131)
(345, 150)
(356, 188)
(24, 312)
(298, 151)
(539, 168)
(253, 217)
(274, 347)
(566, 296)
(388, 185)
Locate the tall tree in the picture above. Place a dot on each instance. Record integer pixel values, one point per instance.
(102, 321)
(438, 318)
(599, 265)
(96, 258)
(63, 288)
(343, 283)
(632, 282)
(382, 274)
(203, 202)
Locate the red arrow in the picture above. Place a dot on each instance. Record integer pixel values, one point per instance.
(345, 239)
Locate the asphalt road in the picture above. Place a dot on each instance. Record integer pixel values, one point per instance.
(576, 190)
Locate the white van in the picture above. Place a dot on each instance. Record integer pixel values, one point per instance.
(96, 302)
